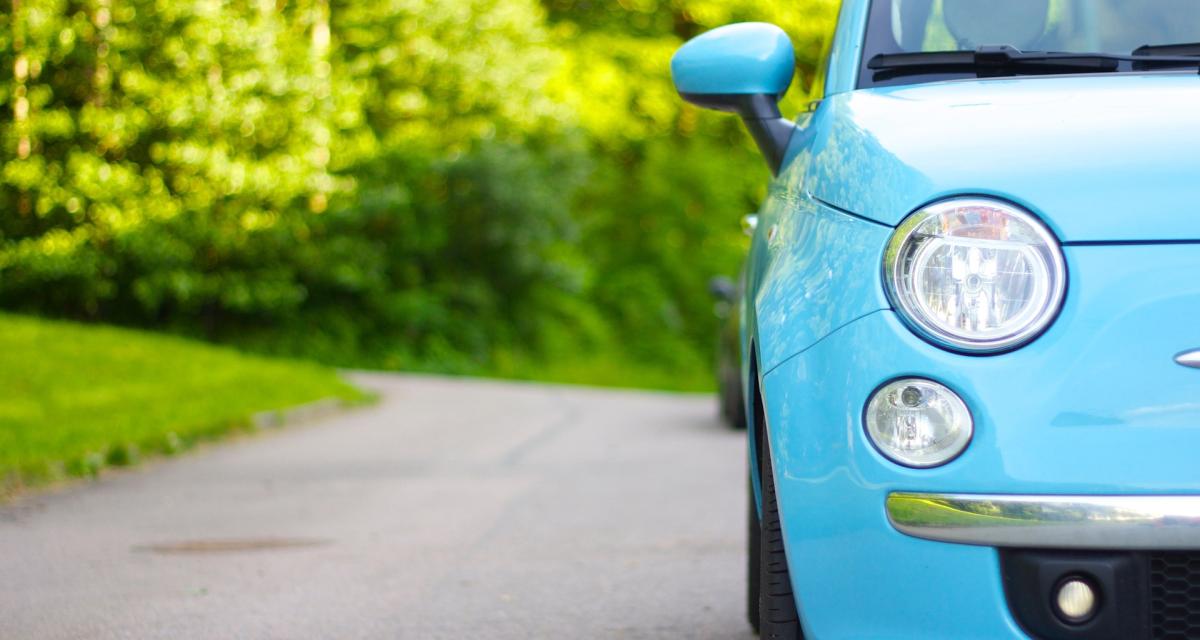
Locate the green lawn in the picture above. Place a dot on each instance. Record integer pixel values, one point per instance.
(76, 398)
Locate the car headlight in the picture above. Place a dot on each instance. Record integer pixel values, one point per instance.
(918, 423)
(975, 275)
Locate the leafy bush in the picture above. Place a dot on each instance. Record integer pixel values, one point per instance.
(466, 185)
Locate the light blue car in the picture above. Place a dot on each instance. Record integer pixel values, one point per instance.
(971, 323)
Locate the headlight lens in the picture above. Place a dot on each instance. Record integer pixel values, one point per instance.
(918, 423)
(975, 275)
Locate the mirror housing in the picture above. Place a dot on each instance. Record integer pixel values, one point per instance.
(722, 289)
(744, 69)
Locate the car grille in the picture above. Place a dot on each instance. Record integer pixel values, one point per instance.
(1144, 595)
(1175, 595)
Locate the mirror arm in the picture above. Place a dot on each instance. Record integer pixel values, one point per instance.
(772, 136)
(770, 130)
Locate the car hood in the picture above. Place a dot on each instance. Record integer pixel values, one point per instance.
(1100, 158)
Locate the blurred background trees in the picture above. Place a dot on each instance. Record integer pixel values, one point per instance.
(474, 186)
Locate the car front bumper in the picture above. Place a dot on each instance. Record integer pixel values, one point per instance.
(1050, 521)
(1096, 408)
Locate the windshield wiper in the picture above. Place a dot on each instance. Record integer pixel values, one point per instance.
(991, 61)
(1004, 60)
(1181, 49)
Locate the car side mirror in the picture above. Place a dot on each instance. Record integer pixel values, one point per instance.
(722, 289)
(744, 69)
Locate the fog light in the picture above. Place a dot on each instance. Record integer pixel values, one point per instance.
(918, 423)
(1075, 601)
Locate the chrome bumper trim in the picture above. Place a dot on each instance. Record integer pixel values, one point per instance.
(1052, 522)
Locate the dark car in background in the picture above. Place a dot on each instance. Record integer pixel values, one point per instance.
(732, 400)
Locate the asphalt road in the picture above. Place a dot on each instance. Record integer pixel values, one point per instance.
(453, 509)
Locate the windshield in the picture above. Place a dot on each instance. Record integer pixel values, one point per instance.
(1091, 26)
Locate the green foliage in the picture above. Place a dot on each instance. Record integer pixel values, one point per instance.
(474, 186)
(475, 254)
(75, 399)
(152, 141)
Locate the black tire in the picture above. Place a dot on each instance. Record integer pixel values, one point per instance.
(753, 544)
(737, 413)
(724, 398)
(777, 616)
(732, 408)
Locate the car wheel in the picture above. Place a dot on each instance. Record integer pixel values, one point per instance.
(777, 615)
(731, 407)
(737, 409)
(753, 544)
(725, 400)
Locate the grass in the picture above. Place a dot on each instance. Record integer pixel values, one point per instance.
(75, 399)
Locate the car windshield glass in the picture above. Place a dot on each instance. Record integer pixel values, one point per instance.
(1077, 26)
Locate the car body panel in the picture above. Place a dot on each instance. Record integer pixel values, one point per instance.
(853, 574)
(1096, 406)
(1104, 158)
(838, 163)
(814, 253)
